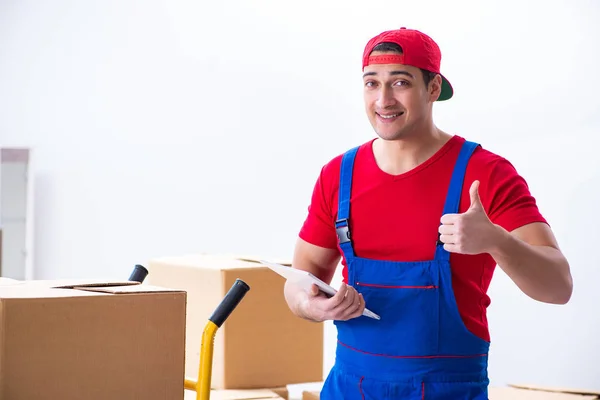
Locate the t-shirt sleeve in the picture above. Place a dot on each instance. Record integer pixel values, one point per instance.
(510, 203)
(319, 227)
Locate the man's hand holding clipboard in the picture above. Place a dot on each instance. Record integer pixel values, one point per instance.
(309, 282)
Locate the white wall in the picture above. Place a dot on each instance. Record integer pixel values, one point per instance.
(158, 128)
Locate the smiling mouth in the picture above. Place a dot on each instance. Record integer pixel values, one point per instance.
(390, 116)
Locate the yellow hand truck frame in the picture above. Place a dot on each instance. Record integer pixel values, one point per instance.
(231, 300)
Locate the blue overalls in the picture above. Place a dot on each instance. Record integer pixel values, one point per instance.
(420, 349)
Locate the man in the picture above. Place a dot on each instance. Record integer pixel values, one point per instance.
(419, 218)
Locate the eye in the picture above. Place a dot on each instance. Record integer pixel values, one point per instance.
(402, 83)
(370, 84)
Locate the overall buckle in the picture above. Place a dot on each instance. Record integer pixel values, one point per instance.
(342, 230)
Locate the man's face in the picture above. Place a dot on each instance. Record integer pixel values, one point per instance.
(396, 99)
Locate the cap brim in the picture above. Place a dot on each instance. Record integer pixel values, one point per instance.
(447, 90)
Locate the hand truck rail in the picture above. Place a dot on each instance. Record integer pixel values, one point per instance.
(231, 300)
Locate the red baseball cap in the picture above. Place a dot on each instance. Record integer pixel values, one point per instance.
(418, 50)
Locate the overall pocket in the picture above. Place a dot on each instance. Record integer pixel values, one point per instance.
(407, 298)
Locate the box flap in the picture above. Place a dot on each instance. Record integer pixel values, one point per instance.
(96, 284)
(127, 289)
(216, 261)
(62, 288)
(556, 389)
(71, 283)
(41, 292)
(511, 393)
(256, 260)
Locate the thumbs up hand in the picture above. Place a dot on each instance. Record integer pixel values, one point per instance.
(471, 232)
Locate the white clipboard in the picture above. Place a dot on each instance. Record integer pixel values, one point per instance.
(306, 279)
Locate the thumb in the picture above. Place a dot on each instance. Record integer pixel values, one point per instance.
(314, 290)
(475, 200)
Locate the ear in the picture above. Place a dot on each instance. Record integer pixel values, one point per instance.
(435, 88)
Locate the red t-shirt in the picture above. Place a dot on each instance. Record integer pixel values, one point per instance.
(397, 217)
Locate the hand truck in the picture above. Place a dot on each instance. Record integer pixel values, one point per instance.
(231, 300)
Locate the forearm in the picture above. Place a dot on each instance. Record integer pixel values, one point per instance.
(541, 272)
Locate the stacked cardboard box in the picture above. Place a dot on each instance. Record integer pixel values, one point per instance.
(90, 340)
(517, 392)
(534, 392)
(310, 395)
(262, 345)
(247, 394)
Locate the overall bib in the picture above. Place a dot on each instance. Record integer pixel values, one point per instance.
(420, 349)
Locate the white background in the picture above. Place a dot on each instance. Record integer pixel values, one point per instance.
(168, 127)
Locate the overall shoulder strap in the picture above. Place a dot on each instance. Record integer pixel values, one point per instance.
(342, 223)
(458, 177)
(455, 189)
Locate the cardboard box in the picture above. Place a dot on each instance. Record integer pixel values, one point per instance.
(513, 393)
(91, 341)
(262, 344)
(310, 395)
(257, 394)
(282, 392)
(552, 392)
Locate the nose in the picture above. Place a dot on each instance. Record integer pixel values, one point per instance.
(385, 97)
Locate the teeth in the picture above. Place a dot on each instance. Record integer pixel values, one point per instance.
(388, 116)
